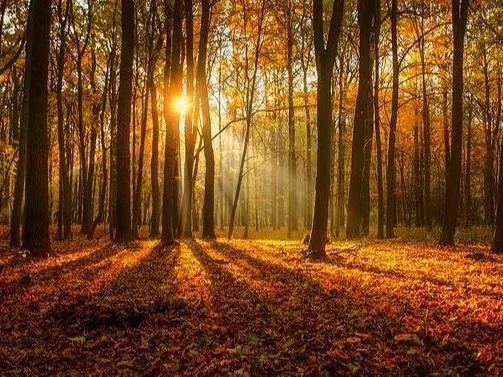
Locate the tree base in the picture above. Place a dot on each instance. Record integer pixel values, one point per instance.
(314, 255)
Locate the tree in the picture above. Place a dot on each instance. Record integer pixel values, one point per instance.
(123, 199)
(358, 202)
(154, 162)
(426, 122)
(377, 124)
(172, 89)
(251, 81)
(36, 222)
(497, 244)
(202, 89)
(325, 60)
(19, 184)
(81, 43)
(452, 193)
(190, 132)
(292, 158)
(390, 168)
(65, 194)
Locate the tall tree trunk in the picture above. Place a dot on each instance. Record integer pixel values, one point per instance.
(497, 244)
(190, 132)
(358, 202)
(292, 163)
(65, 198)
(390, 169)
(202, 87)
(426, 130)
(100, 216)
(309, 163)
(123, 200)
(112, 191)
(169, 211)
(489, 181)
(459, 20)
(36, 222)
(468, 175)
(377, 125)
(447, 136)
(138, 188)
(23, 129)
(154, 164)
(325, 60)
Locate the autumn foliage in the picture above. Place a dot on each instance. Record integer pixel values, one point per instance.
(252, 308)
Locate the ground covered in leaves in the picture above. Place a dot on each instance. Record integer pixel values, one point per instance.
(252, 308)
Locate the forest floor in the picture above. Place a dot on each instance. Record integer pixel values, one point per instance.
(252, 308)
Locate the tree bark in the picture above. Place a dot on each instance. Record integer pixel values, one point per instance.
(358, 202)
(390, 169)
(325, 60)
(377, 125)
(123, 231)
(169, 211)
(36, 222)
(190, 132)
(65, 195)
(154, 164)
(497, 244)
(452, 195)
(426, 130)
(23, 129)
(292, 162)
(202, 87)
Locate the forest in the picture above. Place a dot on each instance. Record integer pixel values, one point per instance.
(251, 187)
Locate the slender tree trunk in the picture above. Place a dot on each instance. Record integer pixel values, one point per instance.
(377, 125)
(154, 164)
(468, 175)
(112, 191)
(141, 156)
(23, 129)
(190, 132)
(426, 131)
(489, 180)
(292, 163)
(309, 163)
(452, 195)
(391, 170)
(497, 244)
(123, 200)
(325, 60)
(209, 178)
(65, 200)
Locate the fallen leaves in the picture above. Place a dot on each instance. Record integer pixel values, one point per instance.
(252, 308)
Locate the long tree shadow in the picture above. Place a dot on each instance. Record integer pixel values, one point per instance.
(137, 300)
(348, 311)
(34, 275)
(130, 296)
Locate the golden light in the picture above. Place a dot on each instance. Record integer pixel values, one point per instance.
(182, 104)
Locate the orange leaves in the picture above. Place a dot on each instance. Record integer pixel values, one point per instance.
(252, 308)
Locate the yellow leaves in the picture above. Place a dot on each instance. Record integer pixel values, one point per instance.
(257, 308)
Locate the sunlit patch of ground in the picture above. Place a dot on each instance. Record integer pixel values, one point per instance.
(252, 308)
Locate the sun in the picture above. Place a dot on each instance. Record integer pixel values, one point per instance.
(182, 104)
